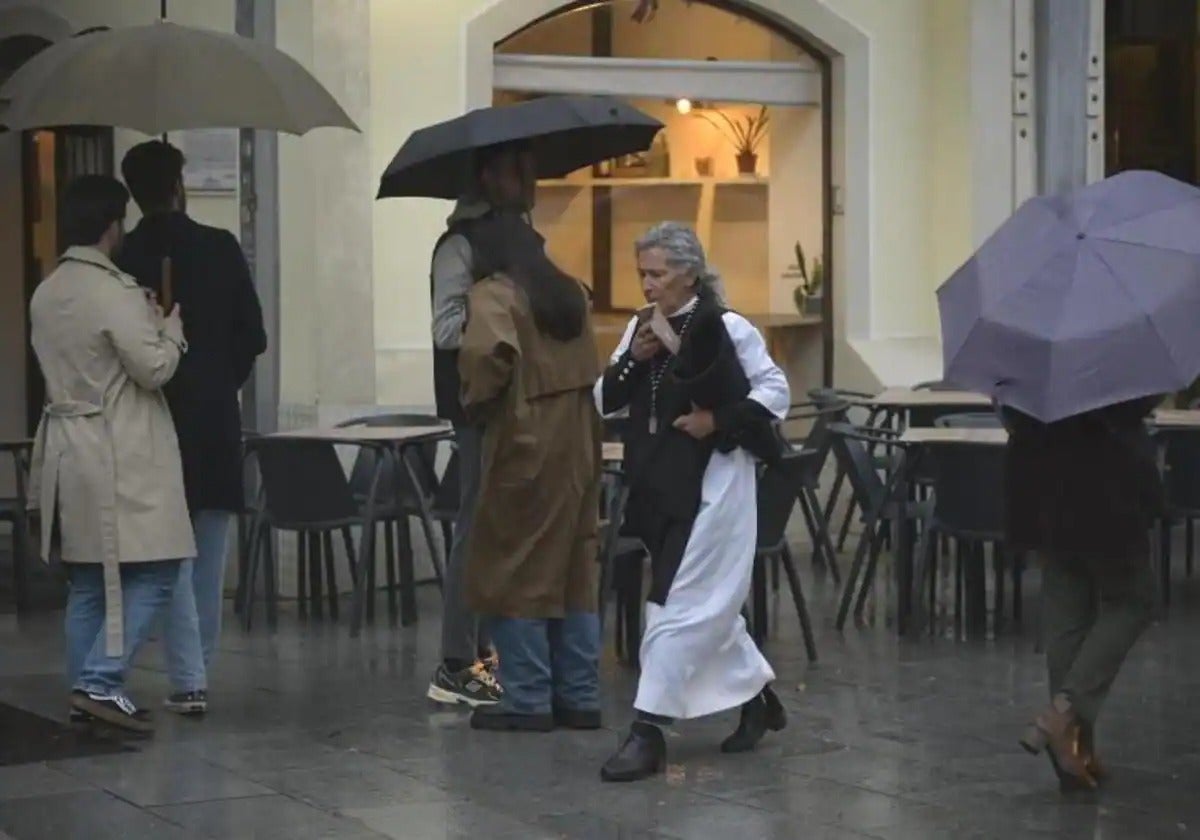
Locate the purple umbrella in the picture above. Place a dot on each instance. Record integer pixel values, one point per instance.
(1081, 301)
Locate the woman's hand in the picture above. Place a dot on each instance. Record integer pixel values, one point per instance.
(700, 424)
(645, 344)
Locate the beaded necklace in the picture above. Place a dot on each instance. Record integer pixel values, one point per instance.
(658, 370)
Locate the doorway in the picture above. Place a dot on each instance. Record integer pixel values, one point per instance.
(1151, 86)
(706, 68)
(36, 167)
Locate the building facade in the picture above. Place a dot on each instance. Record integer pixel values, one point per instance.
(901, 133)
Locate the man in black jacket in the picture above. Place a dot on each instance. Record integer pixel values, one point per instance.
(223, 325)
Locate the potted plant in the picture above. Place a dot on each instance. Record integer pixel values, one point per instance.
(812, 279)
(745, 133)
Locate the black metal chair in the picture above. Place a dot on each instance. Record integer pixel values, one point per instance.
(251, 509)
(879, 499)
(418, 486)
(779, 485)
(816, 445)
(970, 420)
(859, 411)
(15, 511)
(306, 491)
(1181, 479)
(968, 507)
(924, 416)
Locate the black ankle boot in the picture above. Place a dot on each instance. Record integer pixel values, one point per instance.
(642, 755)
(762, 714)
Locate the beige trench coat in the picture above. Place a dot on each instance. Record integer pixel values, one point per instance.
(106, 459)
(531, 552)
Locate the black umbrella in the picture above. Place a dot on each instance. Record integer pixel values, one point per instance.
(565, 133)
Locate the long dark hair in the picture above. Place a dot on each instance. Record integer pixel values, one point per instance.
(506, 243)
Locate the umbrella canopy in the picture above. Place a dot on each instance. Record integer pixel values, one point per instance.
(1082, 301)
(564, 132)
(164, 77)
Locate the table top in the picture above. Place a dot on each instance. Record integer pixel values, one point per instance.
(369, 434)
(908, 398)
(1173, 418)
(936, 434)
(613, 451)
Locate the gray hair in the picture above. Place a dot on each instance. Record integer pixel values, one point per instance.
(684, 252)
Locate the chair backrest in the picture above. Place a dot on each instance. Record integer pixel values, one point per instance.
(854, 457)
(1182, 476)
(819, 440)
(973, 420)
(399, 420)
(858, 411)
(934, 385)
(968, 487)
(779, 485)
(303, 481)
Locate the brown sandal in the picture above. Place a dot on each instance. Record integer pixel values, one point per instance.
(1057, 730)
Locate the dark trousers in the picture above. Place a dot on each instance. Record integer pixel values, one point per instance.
(462, 632)
(1092, 613)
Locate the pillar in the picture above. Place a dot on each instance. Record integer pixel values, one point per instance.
(1063, 39)
(344, 190)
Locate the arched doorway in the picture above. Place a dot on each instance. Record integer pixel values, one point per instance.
(753, 224)
(34, 168)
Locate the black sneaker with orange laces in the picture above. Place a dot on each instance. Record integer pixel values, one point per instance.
(474, 686)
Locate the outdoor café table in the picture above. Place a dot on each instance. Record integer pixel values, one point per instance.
(1172, 418)
(391, 443)
(20, 450)
(899, 403)
(917, 442)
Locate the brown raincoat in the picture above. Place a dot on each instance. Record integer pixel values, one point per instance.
(532, 547)
(106, 459)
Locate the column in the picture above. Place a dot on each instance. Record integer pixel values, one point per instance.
(344, 189)
(1063, 35)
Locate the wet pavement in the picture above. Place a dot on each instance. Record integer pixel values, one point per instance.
(315, 735)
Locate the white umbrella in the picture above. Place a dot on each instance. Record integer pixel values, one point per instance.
(164, 77)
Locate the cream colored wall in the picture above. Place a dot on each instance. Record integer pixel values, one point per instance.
(950, 160)
(917, 155)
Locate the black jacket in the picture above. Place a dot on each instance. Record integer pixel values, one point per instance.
(223, 325)
(1087, 486)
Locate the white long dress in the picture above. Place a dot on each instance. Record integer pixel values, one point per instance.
(697, 657)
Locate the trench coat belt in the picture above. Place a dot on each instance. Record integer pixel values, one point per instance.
(114, 609)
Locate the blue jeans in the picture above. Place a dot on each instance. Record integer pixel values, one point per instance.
(548, 662)
(194, 619)
(145, 590)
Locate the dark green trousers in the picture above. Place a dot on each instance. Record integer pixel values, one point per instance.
(1092, 613)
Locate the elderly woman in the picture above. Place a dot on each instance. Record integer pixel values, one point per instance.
(528, 362)
(106, 469)
(698, 418)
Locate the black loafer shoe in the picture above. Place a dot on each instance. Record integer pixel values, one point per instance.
(762, 714)
(491, 719)
(642, 755)
(577, 718)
